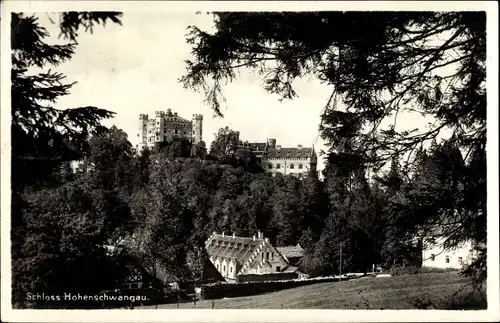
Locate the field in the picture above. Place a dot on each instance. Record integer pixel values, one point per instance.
(429, 290)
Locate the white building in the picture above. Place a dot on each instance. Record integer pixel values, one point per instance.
(435, 256)
(298, 161)
(234, 256)
(167, 125)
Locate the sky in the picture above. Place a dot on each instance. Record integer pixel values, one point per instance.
(134, 68)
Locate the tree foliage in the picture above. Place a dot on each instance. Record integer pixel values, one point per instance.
(380, 66)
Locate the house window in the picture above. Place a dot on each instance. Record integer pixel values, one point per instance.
(291, 166)
(278, 269)
(267, 255)
(300, 166)
(270, 166)
(184, 132)
(262, 256)
(447, 259)
(278, 166)
(433, 257)
(272, 255)
(224, 268)
(460, 260)
(134, 285)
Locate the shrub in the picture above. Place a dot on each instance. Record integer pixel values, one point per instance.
(398, 270)
(436, 270)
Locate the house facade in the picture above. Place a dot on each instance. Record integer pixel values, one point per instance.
(234, 256)
(297, 161)
(435, 256)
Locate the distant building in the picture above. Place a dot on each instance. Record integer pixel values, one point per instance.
(239, 256)
(435, 256)
(167, 125)
(298, 161)
(292, 254)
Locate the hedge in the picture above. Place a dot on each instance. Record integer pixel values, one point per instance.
(266, 277)
(221, 290)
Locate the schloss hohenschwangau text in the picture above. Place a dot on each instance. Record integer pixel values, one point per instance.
(82, 297)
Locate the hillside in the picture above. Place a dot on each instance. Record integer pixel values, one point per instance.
(429, 290)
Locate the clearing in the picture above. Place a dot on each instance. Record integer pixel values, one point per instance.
(427, 290)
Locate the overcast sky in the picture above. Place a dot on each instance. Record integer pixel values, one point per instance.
(134, 68)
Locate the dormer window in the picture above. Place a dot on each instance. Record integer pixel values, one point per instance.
(300, 166)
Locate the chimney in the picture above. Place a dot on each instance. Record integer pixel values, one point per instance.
(260, 235)
(278, 146)
(254, 238)
(234, 236)
(223, 234)
(266, 240)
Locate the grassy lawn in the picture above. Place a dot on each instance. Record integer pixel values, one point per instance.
(429, 290)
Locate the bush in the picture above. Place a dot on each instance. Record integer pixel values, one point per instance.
(398, 270)
(436, 270)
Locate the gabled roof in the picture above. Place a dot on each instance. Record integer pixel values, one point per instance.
(291, 251)
(290, 152)
(234, 248)
(291, 269)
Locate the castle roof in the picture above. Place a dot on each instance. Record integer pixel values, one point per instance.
(234, 248)
(258, 146)
(295, 152)
(291, 251)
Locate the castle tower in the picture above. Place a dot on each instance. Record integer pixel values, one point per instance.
(143, 128)
(271, 142)
(197, 128)
(159, 125)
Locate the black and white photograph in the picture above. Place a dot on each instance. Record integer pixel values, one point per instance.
(190, 160)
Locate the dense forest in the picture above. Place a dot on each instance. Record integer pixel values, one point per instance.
(166, 201)
(162, 204)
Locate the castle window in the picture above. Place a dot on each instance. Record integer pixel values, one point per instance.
(300, 166)
(194, 132)
(278, 166)
(184, 132)
(433, 257)
(447, 259)
(270, 166)
(291, 166)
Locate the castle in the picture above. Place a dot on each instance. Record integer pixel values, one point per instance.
(297, 161)
(167, 125)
